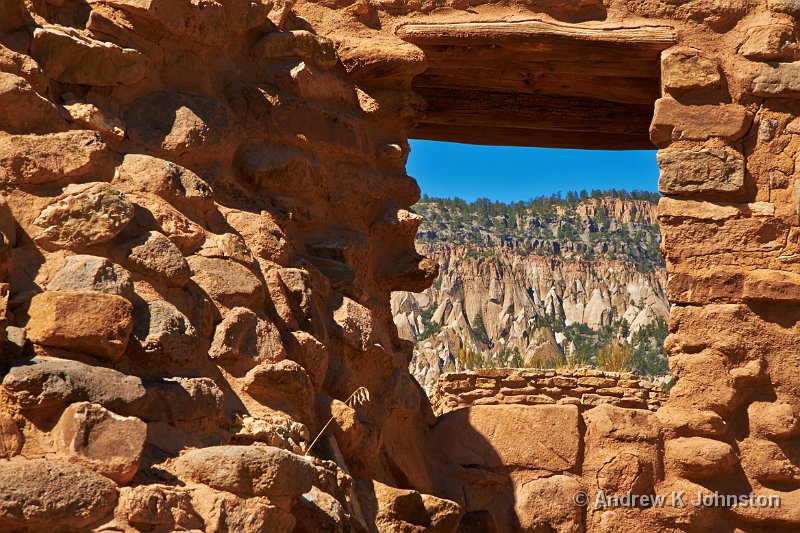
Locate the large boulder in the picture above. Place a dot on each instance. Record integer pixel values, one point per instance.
(92, 436)
(70, 57)
(175, 183)
(52, 382)
(248, 470)
(545, 437)
(84, 215)
(93, 323)
(35, 159)
(40, 116)
(243, 334)
(699, 457)
(176, 122)
(284, 386)
(228, 282)
(165, 334)
(52, 495)
(155, 256)
(85, 273)
(391, 509)
(152, 506)
(548, 505)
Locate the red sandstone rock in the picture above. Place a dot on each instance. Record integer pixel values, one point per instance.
(10, 437)
(41, 493)
(543, 437)
(84, 215)
(30, 159)
(698, 457)
(247, 470)
(94, 437)
(86, 322)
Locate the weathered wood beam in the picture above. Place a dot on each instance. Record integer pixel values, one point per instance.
(540, 112)
(629, 90)
(498, 136)
(573, 62)
(653, 37)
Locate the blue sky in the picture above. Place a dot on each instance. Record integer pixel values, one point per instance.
(510, 173)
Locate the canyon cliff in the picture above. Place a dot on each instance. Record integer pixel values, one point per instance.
(518, 281)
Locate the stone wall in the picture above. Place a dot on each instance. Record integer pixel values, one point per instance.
(583, 387)
(205, 210)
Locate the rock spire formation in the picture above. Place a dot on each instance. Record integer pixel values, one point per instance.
(204, 211)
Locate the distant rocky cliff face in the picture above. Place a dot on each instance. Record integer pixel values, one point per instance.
(540, 283)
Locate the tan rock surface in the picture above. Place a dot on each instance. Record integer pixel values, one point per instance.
(86, 322)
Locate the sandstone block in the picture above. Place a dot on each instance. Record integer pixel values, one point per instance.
(691, 423)
(625, 472)
(771, 285)
(264, 236)
(684, 68)
(782, 81)
(355, 324)
(47, 383)
(673, 121)
(52, 495)
(791, 7)
(92, 436)
(12, 15)
(268, 166)
(91, 273)
(547, 504)
(775, 42)
(284, 386)
(91, 117)
(392, 509)
(84, 215)
(176, 122)
(227, 246)
(166, 179)
(69, 57)
(309, 353)
(621, 424)
(151, 506)
(699, 457)
(227, 282)
(180, 399)
(248, 470)
(317, 511)
(299, 43)
(166, 333)
(773, 420)
(596, 382)
(34, 159)
(11, 439)
(227, 512)
(154, 255)
(543, 436)
(243, 334)
(765, 461)
(275, 430)
(298, 299)
(40, 116)
(87, 322)
(710, 171)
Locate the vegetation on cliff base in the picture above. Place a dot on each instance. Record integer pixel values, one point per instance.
(548, 225)
(575, 227)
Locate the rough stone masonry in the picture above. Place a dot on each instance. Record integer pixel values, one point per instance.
(205, 210)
